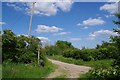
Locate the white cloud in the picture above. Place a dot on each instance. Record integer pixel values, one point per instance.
(59, 0)
(107, 16)
(37, 0)
(2, 23)
(23, 35)
(9, 0)
(45, 41)
(111, 8)
(113, 0)
(99, 17)
(91, 22)
(62, 33)
(46, 29)
(75, 39)
(43, 8)
(64, 6)
(101, 33)
(16, 6)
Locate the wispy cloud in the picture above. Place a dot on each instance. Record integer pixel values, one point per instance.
(46, 29)
(75, 39)
(2, 23)
(101, 33)
(111, 8)
(91, 22)
(62, 33)
(108, 16)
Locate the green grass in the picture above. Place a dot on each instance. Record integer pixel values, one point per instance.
(13, 70)
(93, 64)
(85, 76)
(61, 77)
(0, 71)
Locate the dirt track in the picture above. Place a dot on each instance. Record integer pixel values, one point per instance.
(68, 70)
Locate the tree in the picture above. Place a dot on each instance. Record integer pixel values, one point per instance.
(14, 48)
(63, 44)
(116, 41)
(9, 43)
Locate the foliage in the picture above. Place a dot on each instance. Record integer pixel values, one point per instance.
(63, 45)
(102, 74)
(116, 41)
(58, 48)
(64, 48)
(9, 44)
(76, 54)
(51, 50)
(15, 48)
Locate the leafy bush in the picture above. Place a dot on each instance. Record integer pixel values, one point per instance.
(16, 50)
(104, 74)
(68, 53)
(9, 43)
(76, 54)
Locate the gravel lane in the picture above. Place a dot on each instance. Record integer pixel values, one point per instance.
(72, 71)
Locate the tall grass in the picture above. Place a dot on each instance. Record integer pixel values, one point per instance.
(13, 70)
(93, 64)
(0, 71)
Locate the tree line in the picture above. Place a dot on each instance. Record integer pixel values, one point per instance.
(105, 51)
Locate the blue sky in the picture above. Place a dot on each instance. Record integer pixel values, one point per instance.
(81, 23)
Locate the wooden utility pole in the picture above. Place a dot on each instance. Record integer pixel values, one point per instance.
(38, 54)
(29, 29)
(31, 16)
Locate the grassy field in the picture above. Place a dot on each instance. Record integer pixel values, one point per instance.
(26, 70)
(93, 64)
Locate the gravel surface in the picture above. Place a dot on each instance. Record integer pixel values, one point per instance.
(69, 70)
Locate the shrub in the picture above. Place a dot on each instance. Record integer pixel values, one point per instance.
(68, 53)
(15, 49)
(104, 74)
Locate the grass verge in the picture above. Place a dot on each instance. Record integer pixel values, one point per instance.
(13, 70)
(0, 71)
